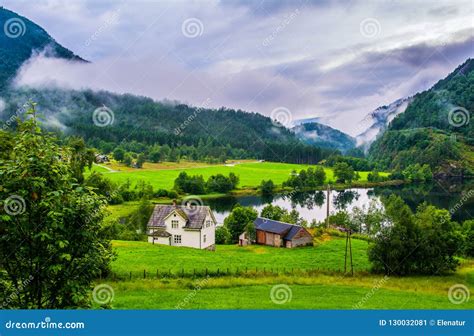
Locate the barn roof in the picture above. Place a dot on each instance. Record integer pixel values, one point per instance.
(194, 215)
(286, 230)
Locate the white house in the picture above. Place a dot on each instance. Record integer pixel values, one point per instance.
(182, 225)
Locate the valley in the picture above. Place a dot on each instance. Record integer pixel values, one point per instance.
(192, 174)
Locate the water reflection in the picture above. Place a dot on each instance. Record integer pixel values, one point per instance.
(313, 205)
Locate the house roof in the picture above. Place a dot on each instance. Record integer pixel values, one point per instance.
(160, 233)
(193, 215)
(286, 230)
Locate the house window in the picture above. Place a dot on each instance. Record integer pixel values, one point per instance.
(204, 238)
(208, 223)
(174, 224)
(177, 239)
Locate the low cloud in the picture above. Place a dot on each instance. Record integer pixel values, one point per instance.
(315, 68)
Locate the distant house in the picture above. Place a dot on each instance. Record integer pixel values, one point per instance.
(99, 158)
(182, 225)
(280, 234)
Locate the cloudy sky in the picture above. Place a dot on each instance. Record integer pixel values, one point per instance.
(337, 60)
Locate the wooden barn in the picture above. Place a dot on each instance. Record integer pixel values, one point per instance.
(279, 234)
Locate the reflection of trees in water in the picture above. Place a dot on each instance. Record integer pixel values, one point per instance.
(442, 194)
(267, 199)
(344, 198)
(306, 199)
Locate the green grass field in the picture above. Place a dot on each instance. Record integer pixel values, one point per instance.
(251, 174)
(139, 256)
(151, 295)
(317, 290)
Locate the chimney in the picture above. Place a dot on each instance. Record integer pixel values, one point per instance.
(188, 205)
(174, 202)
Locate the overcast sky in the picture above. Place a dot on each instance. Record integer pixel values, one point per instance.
(337, 60)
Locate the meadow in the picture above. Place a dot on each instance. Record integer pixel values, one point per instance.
(317, 290)
(162, 176)
(135, 257)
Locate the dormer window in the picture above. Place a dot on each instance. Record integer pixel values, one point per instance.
(174, 224)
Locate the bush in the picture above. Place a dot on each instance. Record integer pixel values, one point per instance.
(222, 235)
(267, 187)
(161, 193)
(172, 194)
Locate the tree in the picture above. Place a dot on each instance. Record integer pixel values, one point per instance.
(80, 157)
(119, 154)
(51, 245)
(140, 160)
(138, 219)
(273, 212)
(222, 235)
(189, 184)
(343, 172)
(219, 183)
(468, 232)
(319, 175)
(251, 231)
(420, 243)
(238, 219)
(234, 179)
(368, 220)
(342, 219)
(127, 160)
(267, 187)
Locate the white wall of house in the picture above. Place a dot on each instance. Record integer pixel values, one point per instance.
(159, 240)
(180, 236)
(208, 232)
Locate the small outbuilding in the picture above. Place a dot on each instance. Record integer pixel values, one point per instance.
(280, 234)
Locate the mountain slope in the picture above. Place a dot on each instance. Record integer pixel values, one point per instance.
(139, 124)
(19, 39)
(107, 120)
(324, 136)
(435, 128)
(377, 121)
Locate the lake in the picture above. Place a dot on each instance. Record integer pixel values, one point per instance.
(455, 195)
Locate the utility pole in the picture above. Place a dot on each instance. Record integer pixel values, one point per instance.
(328, 193)
(348, 244)
(350, 249)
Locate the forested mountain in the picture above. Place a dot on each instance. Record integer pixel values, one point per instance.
(140, 124)
(137, 124)
(19, 39)
(435, 128)
(324, 136)
(377, 121)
